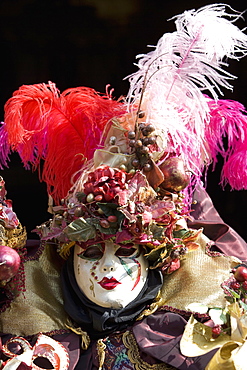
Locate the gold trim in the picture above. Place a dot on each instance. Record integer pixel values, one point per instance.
(134, 355)
(85, 339)
(64, 249)
(16, 238)
(101, 353)
(157, 303)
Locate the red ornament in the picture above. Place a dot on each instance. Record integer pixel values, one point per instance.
(241, 273)
(176, 177)
(9, 263)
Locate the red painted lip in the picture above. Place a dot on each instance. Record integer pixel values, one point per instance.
(108, 284)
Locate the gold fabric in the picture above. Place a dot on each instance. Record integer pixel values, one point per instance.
(198, 279)
(40, 307)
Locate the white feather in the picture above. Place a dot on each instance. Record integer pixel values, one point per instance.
(172, 79)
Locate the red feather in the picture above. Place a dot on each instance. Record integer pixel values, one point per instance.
(63, 129)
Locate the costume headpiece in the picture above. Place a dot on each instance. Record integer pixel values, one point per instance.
(127, 169)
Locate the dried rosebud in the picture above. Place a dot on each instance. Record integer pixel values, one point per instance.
(216, 330)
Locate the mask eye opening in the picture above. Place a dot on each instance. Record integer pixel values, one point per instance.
(93, 253)
(43, 363)
(130, 251)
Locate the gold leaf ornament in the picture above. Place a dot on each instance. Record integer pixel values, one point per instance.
(197, 339)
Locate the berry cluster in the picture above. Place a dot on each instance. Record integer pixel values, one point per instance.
(236, 291)
(141, 143)
(97, 201)
(236, 287)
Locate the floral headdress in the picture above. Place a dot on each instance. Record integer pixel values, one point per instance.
(126, 170)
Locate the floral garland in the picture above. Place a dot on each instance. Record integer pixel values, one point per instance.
(122, 206)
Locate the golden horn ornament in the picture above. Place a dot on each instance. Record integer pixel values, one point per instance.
(231, 355)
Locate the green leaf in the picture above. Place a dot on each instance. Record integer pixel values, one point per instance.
(80, 230)
(157, 231)
(180, 234)
(107, 231)
(229, 299)
(232, 292)
(110, 209)
(107, 208)
(155, 254)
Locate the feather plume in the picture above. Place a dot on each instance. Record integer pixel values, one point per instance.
(226, 134)
(171, 81)
(62, 129)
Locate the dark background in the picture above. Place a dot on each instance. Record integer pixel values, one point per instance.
(92, 43)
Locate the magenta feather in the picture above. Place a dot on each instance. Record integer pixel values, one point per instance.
(226, 134)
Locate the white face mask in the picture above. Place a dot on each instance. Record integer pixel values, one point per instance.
(109, 274)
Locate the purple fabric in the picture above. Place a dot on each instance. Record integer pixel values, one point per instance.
(158, 337)
(226, 239)
(72, 343)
